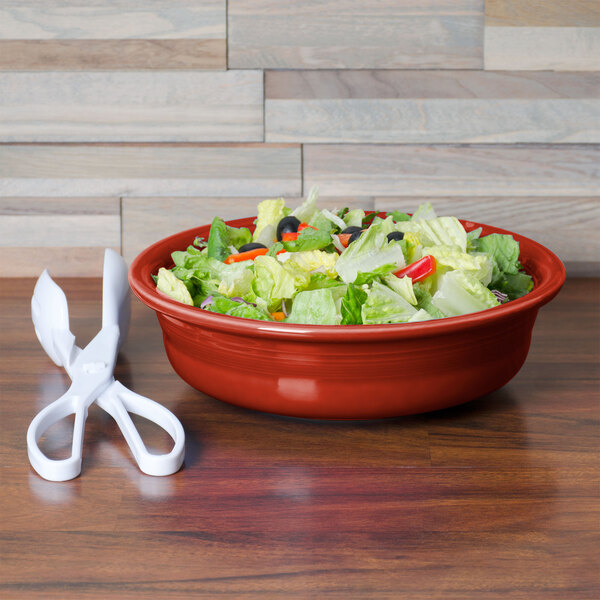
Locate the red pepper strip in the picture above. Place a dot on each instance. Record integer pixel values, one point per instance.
(250, 255)
(344, 239)
(304, 226)
(281, 251)
(418, 270)
(288, 237)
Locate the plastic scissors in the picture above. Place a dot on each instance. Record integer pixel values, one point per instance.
(91, 371)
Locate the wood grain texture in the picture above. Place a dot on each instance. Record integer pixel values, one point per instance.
(494, 499)
(146, 220)
(91, 55)
(131, 107)
(549, 13)
(472, 170)
(344, 34)
(156, 170)
(558, 223)
(122, 34)
(542, 48)
(65, 235)
(118, 19)
(431, 107)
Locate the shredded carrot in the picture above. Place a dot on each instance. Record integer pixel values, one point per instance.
(250, 255)
(278, 316)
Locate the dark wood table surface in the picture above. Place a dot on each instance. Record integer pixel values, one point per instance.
(497, 498)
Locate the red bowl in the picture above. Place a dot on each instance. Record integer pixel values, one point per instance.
(346, 371)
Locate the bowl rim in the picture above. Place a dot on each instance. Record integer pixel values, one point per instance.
(143, 286)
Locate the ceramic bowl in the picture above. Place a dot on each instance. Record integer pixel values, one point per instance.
(346, 371)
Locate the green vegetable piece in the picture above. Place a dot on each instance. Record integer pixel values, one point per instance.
(218, 240)
(351, 306)
(309, 239)
(168, 284)
(314, 307)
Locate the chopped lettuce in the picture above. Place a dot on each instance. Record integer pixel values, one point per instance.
(314, 307)
(383, 305)
(351, 305)
(269, 213)
(218, 240)
(315, 261)
(272, 282)
(354, 218)
(450, 257)
(446, 231)
(308, 208)
(425, 212)
(459, 293)
(424, 300)
(402, 286)
(309, 239)
(370, 252)
(421, 315)
(506, 276)
(168, 284)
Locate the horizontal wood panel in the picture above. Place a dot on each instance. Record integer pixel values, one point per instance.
(206, 170)
(91, 55)
(84, 261)
(131, 107)
(558, 223)
(117, 19)
(122, 34)
(473, 170)
(543, 48)
(146, 220)
(353, 34)
(436, 84)
(65, 235)
(334, 106)
(432, 121)
(549, 13)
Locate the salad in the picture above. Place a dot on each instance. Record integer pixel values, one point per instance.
(316, 266)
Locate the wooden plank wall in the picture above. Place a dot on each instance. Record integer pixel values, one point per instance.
(126, 121)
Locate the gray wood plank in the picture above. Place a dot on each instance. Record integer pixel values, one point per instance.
(354, 34)
(155, 170)
(65, 235)
(432, 107)
(114, 20)
(543, 48)
(121, 34)
(131, 106)
(451, 170)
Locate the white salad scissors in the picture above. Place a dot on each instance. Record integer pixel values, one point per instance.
(91, 372)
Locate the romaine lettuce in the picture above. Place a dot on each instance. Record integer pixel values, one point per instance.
(314, 307)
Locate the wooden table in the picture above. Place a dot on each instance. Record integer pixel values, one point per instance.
(494, 499)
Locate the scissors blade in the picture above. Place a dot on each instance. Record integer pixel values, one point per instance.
(50, 314)
(115, 294)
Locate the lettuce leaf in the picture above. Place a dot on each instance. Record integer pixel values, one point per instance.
(506, 276)
(168, 284)
(445, 231)
(370, 252)
(351, 306)
(450, 257)
(385, 306)
(314, 261)
(272, 282)
(402, 286)
(308, 208)
(354, 218)
(459, 293)
(315, 307)
(269, 213)
(218, 240)
(309, 239)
